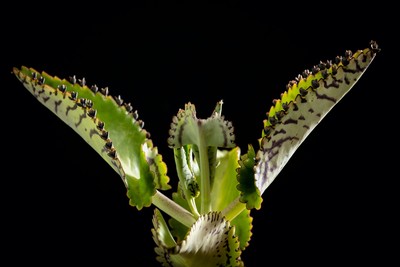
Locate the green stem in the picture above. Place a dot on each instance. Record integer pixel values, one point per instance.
(233, 209)
(204, 176)
(173, 209)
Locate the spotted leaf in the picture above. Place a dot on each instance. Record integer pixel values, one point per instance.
(108, 124)
(305, 103)
(211, 241)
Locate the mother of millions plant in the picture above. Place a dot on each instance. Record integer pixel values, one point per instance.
(209, 222)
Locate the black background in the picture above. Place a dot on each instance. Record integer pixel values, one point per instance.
(331, 204)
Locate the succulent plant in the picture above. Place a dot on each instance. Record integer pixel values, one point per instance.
(207, 220)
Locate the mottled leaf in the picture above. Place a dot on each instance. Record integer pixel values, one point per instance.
(305, 103)
(108, 124)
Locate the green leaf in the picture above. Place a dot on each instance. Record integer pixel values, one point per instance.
(243, 228)
(305, 103)
(108, 124)
(249, 192)
(224, 187)
(224, 192)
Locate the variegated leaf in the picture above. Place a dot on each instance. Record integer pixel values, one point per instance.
(211, 241)
(108, 124)
(305, 103)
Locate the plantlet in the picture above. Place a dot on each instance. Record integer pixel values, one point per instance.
(207, 221)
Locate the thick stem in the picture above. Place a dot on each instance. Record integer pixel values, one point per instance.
(204, 176)
(173, 209)
(233, 209)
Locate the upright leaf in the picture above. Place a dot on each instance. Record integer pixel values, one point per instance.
(305, 103)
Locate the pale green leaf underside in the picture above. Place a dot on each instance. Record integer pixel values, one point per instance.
(210, 242)
(108, 125)
(306, 102)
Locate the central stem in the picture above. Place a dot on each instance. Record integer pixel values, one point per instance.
(204, 176)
